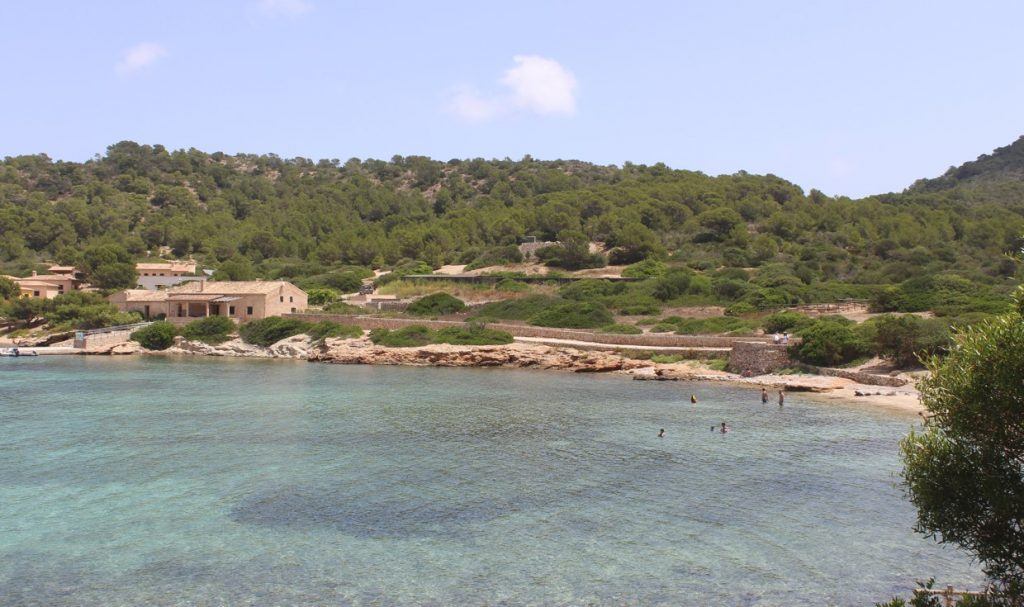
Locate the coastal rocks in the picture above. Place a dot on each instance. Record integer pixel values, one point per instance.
(364, 352)
(291, 347)
(128, 347)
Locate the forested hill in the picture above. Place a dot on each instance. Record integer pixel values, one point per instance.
(299, 216)
(1001, 171)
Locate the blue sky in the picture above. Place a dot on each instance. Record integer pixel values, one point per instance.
(848, 97)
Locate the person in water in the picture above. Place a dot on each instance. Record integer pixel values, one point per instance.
(782, 398)
(725, 428)
(693, 398)
(764, 396)
(661, 433)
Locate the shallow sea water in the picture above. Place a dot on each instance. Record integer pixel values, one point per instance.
(131, 481)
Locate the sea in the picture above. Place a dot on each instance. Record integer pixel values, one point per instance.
(150, 480)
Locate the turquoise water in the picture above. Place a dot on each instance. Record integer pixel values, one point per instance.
(129, 481)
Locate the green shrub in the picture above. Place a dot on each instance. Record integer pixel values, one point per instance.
(522, 308)
(713, 325)
(663, 327)
(418, 335)
(496, 256)
(785, 322)
(829, 343)
(740, 308)
(84, 310)
(341, 307)
(508, 285)
(406, 337)
(672, 284)
(903, 338)
(622, 329)
(211, 330)
(436, 304)
(590, 289)
(666, 359)
(647, 268)
(268, 331)
(322, 297)
(157, 336)
(327, 328)
(472, 335)
(639, 308)
(573, 315)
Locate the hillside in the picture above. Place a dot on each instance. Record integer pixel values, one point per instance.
(758, 239)
(1003, 168)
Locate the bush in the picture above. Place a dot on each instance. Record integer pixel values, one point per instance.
(515, 309)
(322, 297)
(496, 256)
(268, 331)
(210, 330)
(829, 343)
(672, 284)
(715, 324)
(622, 329)
(417, 335)
(157, 336)
(406, 337)
(573, 315)
(84, 310)
(508, 285)
(344, 282)
(436, 304)
(590, 289)
(327, 328)
(740, 308)
(473, 335)
(647, 268)
(903, 338)
(785, 322)
(341, 307)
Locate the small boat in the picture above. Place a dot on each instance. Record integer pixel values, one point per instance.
(17, 352)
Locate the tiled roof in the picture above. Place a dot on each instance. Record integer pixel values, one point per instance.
(145, 295)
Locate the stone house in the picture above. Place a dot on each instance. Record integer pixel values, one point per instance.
(240, 301)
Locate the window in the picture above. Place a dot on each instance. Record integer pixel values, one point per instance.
(291, 299)
(248, 310)
(293, 310)
(36, 293)
(231, 310)
(282, 299)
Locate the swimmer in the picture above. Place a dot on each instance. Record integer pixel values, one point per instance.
(725, 428)
(764, 396)
(693, 398)
(661, 433)
(782, 398)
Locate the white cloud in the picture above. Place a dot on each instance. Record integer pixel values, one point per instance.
(139, 56)
(284, 7)
(534, 85)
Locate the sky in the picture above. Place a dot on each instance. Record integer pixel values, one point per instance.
(851, 98)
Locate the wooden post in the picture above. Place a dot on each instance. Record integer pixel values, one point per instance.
(949, 596)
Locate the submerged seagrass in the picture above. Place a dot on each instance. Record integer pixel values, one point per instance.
(159, 481)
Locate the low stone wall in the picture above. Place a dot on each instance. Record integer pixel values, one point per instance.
(645, 340)
(102, 340)
(858, 376)
(757, 358)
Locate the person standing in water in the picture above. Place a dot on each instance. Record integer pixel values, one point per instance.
(693, 398)
(782, 398)
(764, 396)
(661, 433)
(725, 428)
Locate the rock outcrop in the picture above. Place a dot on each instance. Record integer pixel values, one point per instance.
(364, 352)
(291, 347)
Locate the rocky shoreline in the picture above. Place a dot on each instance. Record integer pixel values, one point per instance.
(361, 351)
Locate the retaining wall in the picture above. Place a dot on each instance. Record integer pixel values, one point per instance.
(648, 339)
(757, 358)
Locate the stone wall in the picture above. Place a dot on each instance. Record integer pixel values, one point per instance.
(757, 358)
(857, 376)
(644, 340)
